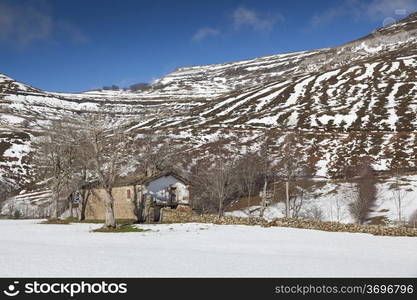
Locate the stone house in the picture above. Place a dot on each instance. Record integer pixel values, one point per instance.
(142, 199)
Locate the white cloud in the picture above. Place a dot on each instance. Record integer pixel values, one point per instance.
(74, 32)
(328, 16)
(374, 10)
(378, 9)
(243, 16)
(204, 33)
(21, 25)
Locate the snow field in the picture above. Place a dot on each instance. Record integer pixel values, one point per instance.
(199, 250)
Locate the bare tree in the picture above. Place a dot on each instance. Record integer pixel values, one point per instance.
(203, 199)
(258, 169)
(221, 179)
(5, 189)
(266, 169)
(341, 201)
(365, 196)
(215, 177)
(63, 159)
(413, 219)
(297, 199)
(314, 212)
(398, 197)
(291, 167)
(55, 161)
(108, 151)
(249, 170)
(155, 153)
(10, 209)
(83, 193)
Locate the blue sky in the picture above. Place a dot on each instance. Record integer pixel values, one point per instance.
(73, 46)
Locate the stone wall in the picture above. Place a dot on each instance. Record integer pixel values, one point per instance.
(189, 217)
(123, 206)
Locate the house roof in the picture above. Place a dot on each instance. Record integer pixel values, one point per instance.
(140, 179)
(172, 173)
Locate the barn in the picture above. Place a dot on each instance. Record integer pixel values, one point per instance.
(142, 199)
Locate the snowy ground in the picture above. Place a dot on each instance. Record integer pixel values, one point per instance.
(198, 250)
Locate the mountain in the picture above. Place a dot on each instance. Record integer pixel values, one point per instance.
(349, 101)
(352, 100)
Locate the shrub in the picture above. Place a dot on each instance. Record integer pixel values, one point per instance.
(56, 221)
(412, 222)
(17, 214)
(121, 228)
(314, 213)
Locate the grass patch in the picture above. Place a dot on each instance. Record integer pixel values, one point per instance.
(89, 221)
(121, 228)
(125, 221)
(56, 222)
(118, 221)
(67, 221)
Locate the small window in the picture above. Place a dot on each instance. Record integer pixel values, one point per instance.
(128, 193)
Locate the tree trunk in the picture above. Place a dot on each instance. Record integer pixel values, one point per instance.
(54, 212)
(263, 202)
(221, 207)
(161, 215)
(399, 210)
(70, 207)
(287, 199)
(147, 209)
(249, 192)
(110, 221)
(139, 205)
(82, 206)
(81, 211)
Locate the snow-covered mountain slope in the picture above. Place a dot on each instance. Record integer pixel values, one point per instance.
(378, 95)
(363, 101)
(364, 108)
(25, 111)
(336, 86)
(211, 81)
(355, 99)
